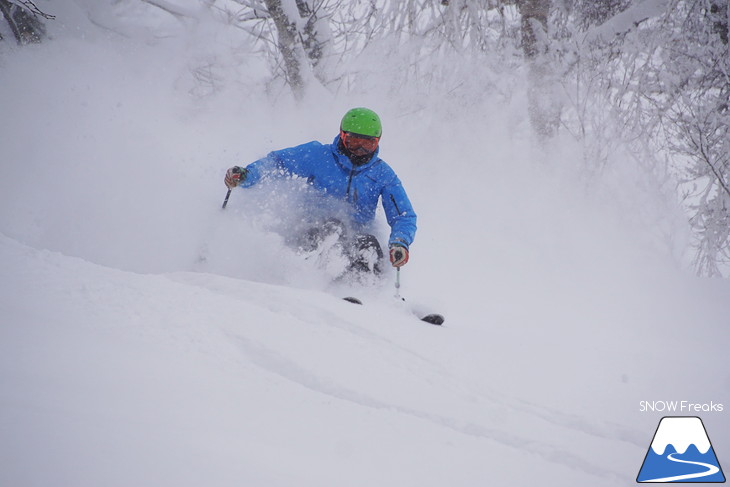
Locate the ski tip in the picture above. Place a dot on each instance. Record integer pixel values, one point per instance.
(434, 319)
(352, 300)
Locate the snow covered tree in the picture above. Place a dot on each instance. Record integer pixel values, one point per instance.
(662, 71)
(316, 36)
(298, 31)
(289, 43)
(696, 76)
(544, 108)
(590, 13)
(680, 94)
(24, 20)
(654, 74)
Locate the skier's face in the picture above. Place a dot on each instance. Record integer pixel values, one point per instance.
(359, 145)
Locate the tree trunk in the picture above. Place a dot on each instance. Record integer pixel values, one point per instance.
(316, 38)
(534, 15)
(288, 46)
(720, 11)
(26, 26)
(543, 109)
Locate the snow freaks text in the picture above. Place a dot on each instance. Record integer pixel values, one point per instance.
(680, 407)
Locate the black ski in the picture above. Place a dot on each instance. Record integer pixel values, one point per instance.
(432, 318)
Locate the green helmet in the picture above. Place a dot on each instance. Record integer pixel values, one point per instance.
(362, 121)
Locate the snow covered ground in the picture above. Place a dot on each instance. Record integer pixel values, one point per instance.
(125, 360)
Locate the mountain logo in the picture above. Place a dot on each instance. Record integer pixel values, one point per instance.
(681, 452)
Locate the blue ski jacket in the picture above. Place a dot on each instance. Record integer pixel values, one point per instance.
(332, 173)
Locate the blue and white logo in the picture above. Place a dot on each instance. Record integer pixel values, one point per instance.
(681, 452)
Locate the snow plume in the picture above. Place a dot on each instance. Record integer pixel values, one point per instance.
(261, 234)
(143, 326)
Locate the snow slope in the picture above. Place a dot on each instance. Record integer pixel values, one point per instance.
(183, 379)
(125, 360)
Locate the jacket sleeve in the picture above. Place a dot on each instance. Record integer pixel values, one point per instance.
(399, 213)
(259, 169)
(281, 162)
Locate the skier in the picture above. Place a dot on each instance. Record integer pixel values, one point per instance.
(349, 170)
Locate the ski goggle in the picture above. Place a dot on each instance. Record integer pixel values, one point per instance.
(359, 144)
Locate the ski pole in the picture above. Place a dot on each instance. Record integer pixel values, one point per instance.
(397, 283)
(225, 201)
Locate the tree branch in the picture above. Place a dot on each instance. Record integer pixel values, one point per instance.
(178, 12)
(31, 7)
